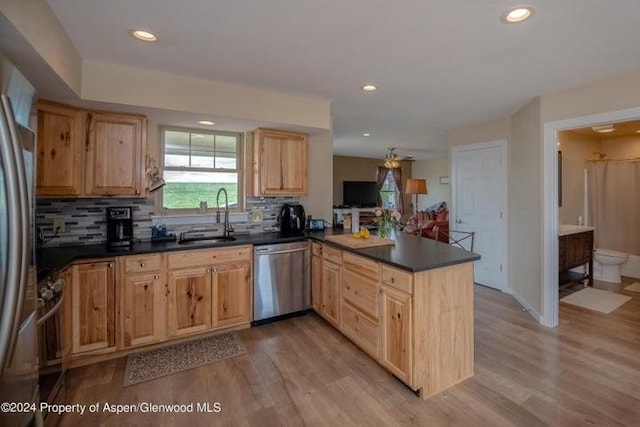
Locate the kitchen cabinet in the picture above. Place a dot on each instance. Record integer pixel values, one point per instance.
(142, 289)
(60, 170)
(84, 153)
(280, 163)
(316, 276)
(209, 289)
(575, 250)
(116, 147)
(396, 333)
(232, 294)
(93, 307)
(331, 284)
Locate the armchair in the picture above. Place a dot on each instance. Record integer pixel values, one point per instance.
(441, 223)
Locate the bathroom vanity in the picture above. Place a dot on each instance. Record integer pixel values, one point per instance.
(575, 248)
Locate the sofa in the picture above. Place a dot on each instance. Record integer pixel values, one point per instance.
(429, 222)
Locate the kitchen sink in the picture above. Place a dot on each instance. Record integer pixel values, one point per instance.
(207, 239)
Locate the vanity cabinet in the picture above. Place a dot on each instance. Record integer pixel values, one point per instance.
(93, 307)
(60, 170)
(574, 250)
(280, 163)
(84, 153)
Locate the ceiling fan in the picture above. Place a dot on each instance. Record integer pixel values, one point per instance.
(392, 159)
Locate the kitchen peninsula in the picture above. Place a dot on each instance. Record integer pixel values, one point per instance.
(409, 305)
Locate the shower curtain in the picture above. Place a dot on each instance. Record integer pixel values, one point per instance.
(614, 204)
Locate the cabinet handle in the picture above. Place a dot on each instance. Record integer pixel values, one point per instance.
(166, 285)
(393, 280)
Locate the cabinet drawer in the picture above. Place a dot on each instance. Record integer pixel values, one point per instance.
(362, 292)
(316, 249)
(362, 330)
(361, 265)
(332, 254)
(143, 263)
(208, 257)
(398, 279)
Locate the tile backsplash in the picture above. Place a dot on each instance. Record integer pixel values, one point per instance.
(85, 219)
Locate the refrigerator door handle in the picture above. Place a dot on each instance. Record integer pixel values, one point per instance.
(14, 240)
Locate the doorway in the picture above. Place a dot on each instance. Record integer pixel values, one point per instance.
(479, 195)
(550, 224)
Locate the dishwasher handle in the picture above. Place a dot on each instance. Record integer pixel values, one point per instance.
(266, 251)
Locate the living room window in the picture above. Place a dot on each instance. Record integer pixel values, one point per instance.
(196, 164)
(389, 191)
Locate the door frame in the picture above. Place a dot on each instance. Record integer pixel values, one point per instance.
(550, 209)
(502, 144)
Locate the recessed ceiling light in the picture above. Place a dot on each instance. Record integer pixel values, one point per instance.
(638, 131)
(518, 14)
(143, 35)
(366, 134)
(206, 122)
(603, 128)
(369, 88)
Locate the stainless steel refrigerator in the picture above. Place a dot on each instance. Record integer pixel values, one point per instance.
(18, 331)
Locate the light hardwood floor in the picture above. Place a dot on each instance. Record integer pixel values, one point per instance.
(303, 372)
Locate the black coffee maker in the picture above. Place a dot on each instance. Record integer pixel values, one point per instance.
(119, 227)
(292, 219)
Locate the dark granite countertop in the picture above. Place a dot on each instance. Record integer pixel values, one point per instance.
(411, 253)
(53, 259)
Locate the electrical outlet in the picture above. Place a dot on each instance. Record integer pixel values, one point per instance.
(58, 225)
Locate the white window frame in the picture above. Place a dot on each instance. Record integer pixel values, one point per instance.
(240, 170)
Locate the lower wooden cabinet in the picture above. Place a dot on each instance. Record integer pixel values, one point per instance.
(189, 308)
(396, 333)
(93, 307)
(331, 282)
(316, 283)
(232, 294)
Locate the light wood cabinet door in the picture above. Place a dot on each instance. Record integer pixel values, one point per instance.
(189, 300)
(61, 148)
(281, 161)
(316, 283)
(92, 307)
(232, 294)
(396, 333)
(142, 308)
(115, 154)
(331, 282)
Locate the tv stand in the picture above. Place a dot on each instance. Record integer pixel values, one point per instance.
(365, 220)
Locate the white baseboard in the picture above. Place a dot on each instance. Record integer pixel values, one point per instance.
(534, 313)
(631, 268)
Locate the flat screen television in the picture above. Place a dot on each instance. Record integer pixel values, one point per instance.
(361, 194)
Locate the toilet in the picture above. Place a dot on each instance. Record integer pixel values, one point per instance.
(607, 264)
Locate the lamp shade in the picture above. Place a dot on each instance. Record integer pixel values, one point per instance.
(416, 186)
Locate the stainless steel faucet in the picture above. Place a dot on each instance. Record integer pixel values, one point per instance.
(227, 227)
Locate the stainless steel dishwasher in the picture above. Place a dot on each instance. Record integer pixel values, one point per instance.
(281, 286)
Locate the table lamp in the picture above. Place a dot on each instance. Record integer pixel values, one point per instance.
(416, 186)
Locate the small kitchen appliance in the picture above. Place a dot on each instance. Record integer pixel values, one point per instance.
(292, 219)
(119, 227)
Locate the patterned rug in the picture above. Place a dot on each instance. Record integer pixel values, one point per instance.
(152, 364)
(596, 299)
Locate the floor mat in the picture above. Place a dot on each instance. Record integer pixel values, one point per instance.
(152, 364)
(596, 299)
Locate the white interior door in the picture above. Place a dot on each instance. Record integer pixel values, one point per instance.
(479, 194)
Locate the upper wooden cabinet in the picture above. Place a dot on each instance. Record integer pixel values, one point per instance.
(89, 154)
(280, 163)
(60, 150)
(115, 154)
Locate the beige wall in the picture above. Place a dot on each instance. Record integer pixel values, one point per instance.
(432, 170)
(363, 169)
(492, 130)
(525, 216)
(319, 201)
(621, 148)
(576, 148)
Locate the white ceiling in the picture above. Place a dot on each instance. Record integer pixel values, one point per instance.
(439, 64)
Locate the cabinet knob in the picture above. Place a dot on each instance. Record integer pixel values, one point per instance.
(137, 191)
(142, 264)
(110, 265)
(393, 280)
(156, 277)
